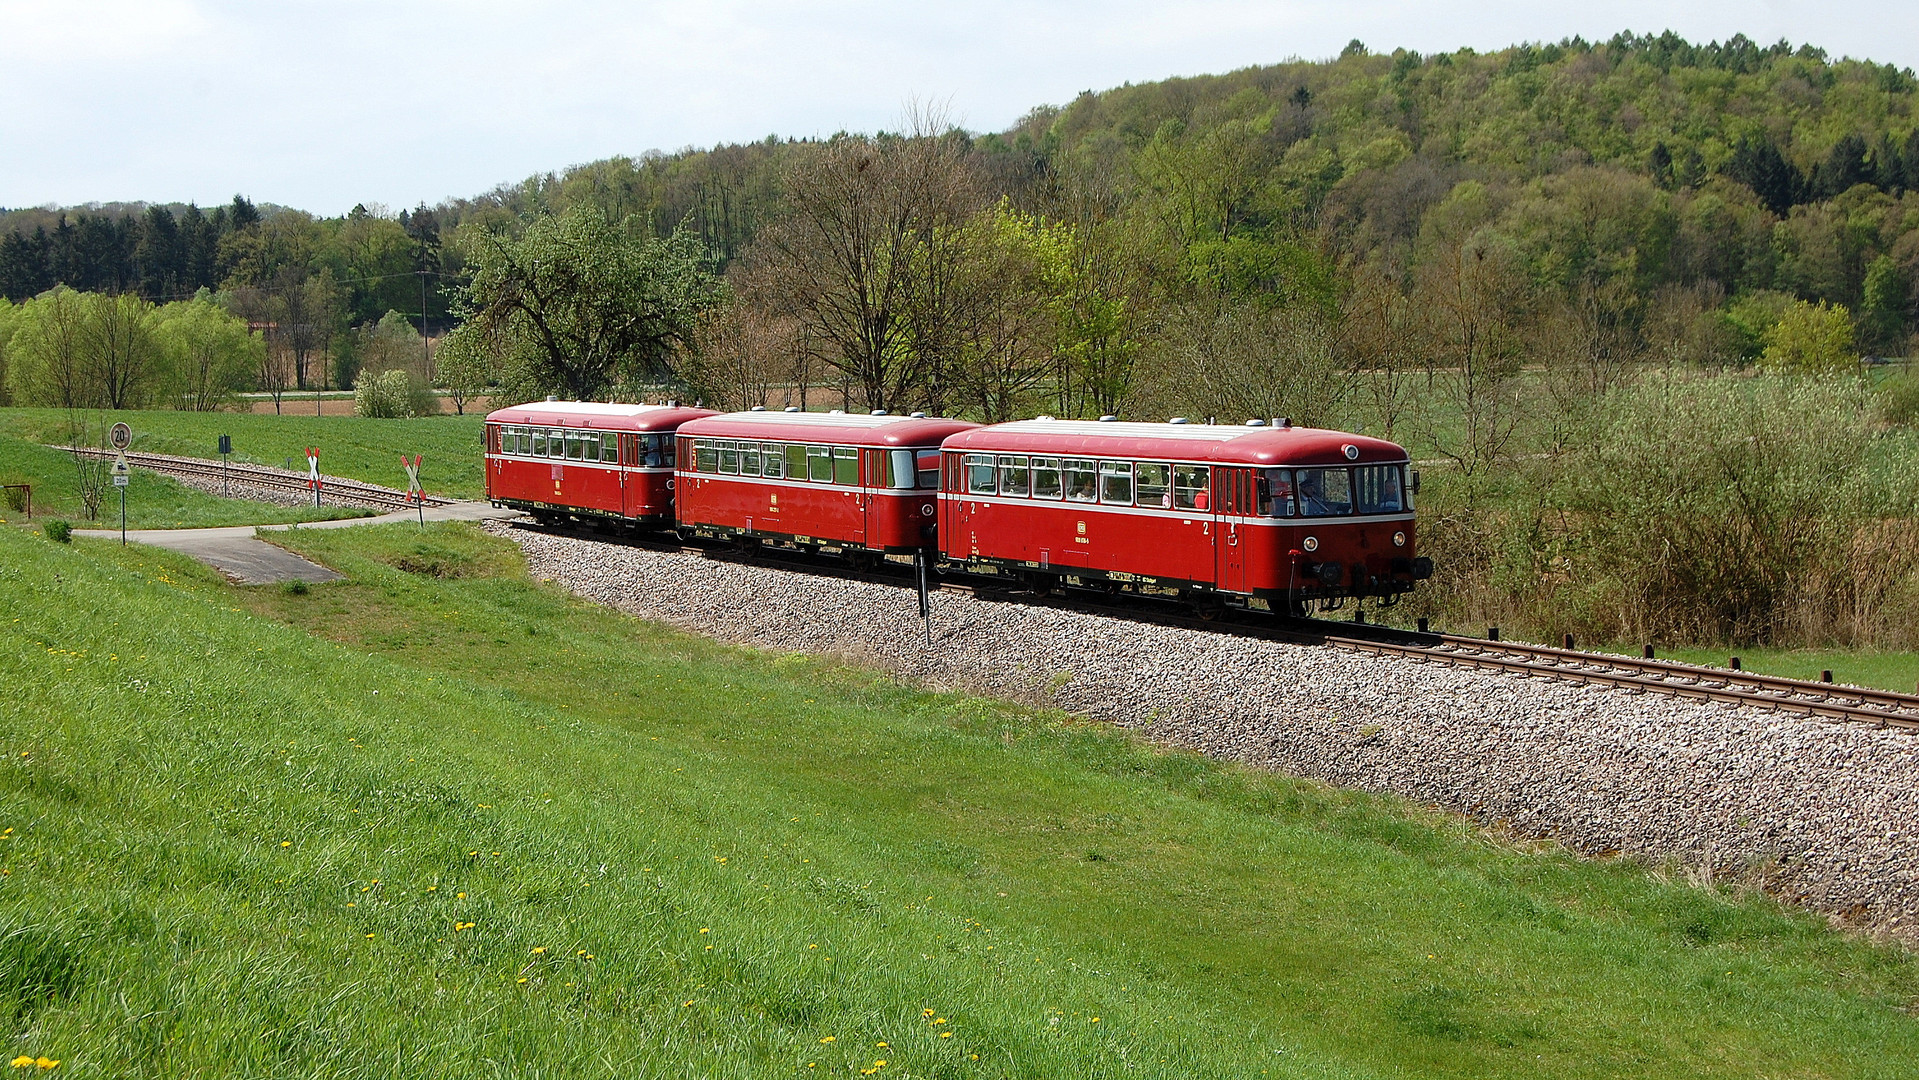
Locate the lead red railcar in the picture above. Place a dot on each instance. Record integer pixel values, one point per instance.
(853, 482)
(560, 459)
(1284, 514)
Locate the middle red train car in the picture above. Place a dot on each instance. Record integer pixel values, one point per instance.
(862, 483)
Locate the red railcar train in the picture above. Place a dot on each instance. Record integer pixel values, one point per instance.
(1288, 515)
(1268, 515)
(585, 459)
(857, 483)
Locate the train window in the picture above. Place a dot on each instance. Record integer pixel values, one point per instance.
(846, 466)
(539, 444)
(795, 461)
(556, 444)
(610, 447)
(929, 463)
(1015, 476)
(902, 471)
(772, 460)
(1377, 489)
(981, 477)
(1151, 483)
(749, 459)
(589, 446)
(657, 452)
(1325, 492)
(1082, 479)
(706, 456)
(1116, 483)
(819, 464)
(1045, 478)
(1192, 487)
(729, 457)
(1274, 491)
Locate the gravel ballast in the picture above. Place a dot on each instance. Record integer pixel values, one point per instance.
(1824, 814)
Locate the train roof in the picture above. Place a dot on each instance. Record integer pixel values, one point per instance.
(1221, 443)
(847, 429)
(598, 414)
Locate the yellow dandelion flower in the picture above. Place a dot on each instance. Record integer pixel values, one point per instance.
(946, 1034)
(538, 950)
(369, 936)
(286, 843)
(686, 1004)
(432, 888)
(23, 1061)
(459, 896)
(830, 1038)
(880, 1064)
(882, 1046)
(941, 1020)
(704, 930)
(46, 1062)
(523, 978)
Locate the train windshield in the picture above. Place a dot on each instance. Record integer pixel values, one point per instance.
(907, 469)
(1274, 492)
(1377, 489)
(1325, 492)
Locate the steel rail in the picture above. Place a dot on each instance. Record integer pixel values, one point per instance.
(1827, 701)
(265, 476)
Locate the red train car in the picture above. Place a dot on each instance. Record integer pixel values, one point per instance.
(585, 459)
(863, 483)
(1288, 515)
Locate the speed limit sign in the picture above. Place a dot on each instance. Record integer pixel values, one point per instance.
(121, 436)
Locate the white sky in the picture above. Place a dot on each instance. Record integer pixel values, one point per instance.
(323, 103)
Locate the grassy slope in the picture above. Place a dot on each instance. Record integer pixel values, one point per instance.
(366, 450)
(153, 501)
(239, 849)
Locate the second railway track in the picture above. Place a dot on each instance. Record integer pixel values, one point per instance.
(265, 476)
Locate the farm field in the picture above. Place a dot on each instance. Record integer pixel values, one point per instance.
(153, 501)
(440, 818)
(349, 446)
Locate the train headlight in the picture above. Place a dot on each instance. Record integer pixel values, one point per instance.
(1311, 543)
(1399, 539)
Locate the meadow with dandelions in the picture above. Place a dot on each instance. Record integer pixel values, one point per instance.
(441, 819)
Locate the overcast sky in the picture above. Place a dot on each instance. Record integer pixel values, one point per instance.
(321, 104)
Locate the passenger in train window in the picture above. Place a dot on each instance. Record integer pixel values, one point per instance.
(1082, 479)
(658, 447)
(1116, 483)
(1192, 487)
(1046, 484)
(1325, 492)
(1014, 476)
(1150, 484)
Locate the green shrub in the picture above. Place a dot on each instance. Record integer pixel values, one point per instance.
(1899, 400)
(16, 496)
(58, 531)
(295, 587)
(385, 395)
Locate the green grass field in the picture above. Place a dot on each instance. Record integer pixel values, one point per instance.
(361, 449)
(441, 819)
(153, 501)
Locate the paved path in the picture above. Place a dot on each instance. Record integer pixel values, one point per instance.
(240, 554)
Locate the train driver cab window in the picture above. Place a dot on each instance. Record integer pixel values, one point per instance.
(902, 471)
(929, 463)
(1082, 479)
(1045, 477)
(772, 460)
(729, 457)
(1015, 476)
(981, 477)
(1116, 483)
(1151, 484)
(819, 464)
(1192, 487)
(846, 466)
(706, 456)
(1273, 492)
(749, 459)
(1325, 492)
(1377, 489)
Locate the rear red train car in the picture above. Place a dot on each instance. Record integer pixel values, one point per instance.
(559, 459)
(1288, 515)
(865, 483)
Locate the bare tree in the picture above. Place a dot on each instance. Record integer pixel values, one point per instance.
(1239, 359)
(1378, 336)
(1471, 302)
(741, 354)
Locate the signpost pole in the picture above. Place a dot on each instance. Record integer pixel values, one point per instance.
(123, 512)
(121, 436)
(926, 599)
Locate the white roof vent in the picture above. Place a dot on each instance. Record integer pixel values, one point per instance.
(1108, 418)
(757, 408)
(1283, 422)
(1045, 417)
(877, 412)
(792, 408)
(1177, 420)
(917, 415)
(836, 412)
(1255, 423)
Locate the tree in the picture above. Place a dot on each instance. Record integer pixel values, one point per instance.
(468, 362)
(123, 354)
(1810, 339)
(743, 353)
(48, 356)
(866, 257)
(1882, 311)
(580, 303)
(209, 352)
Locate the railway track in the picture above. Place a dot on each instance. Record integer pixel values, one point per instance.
(266, 476)
(1825, 701)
